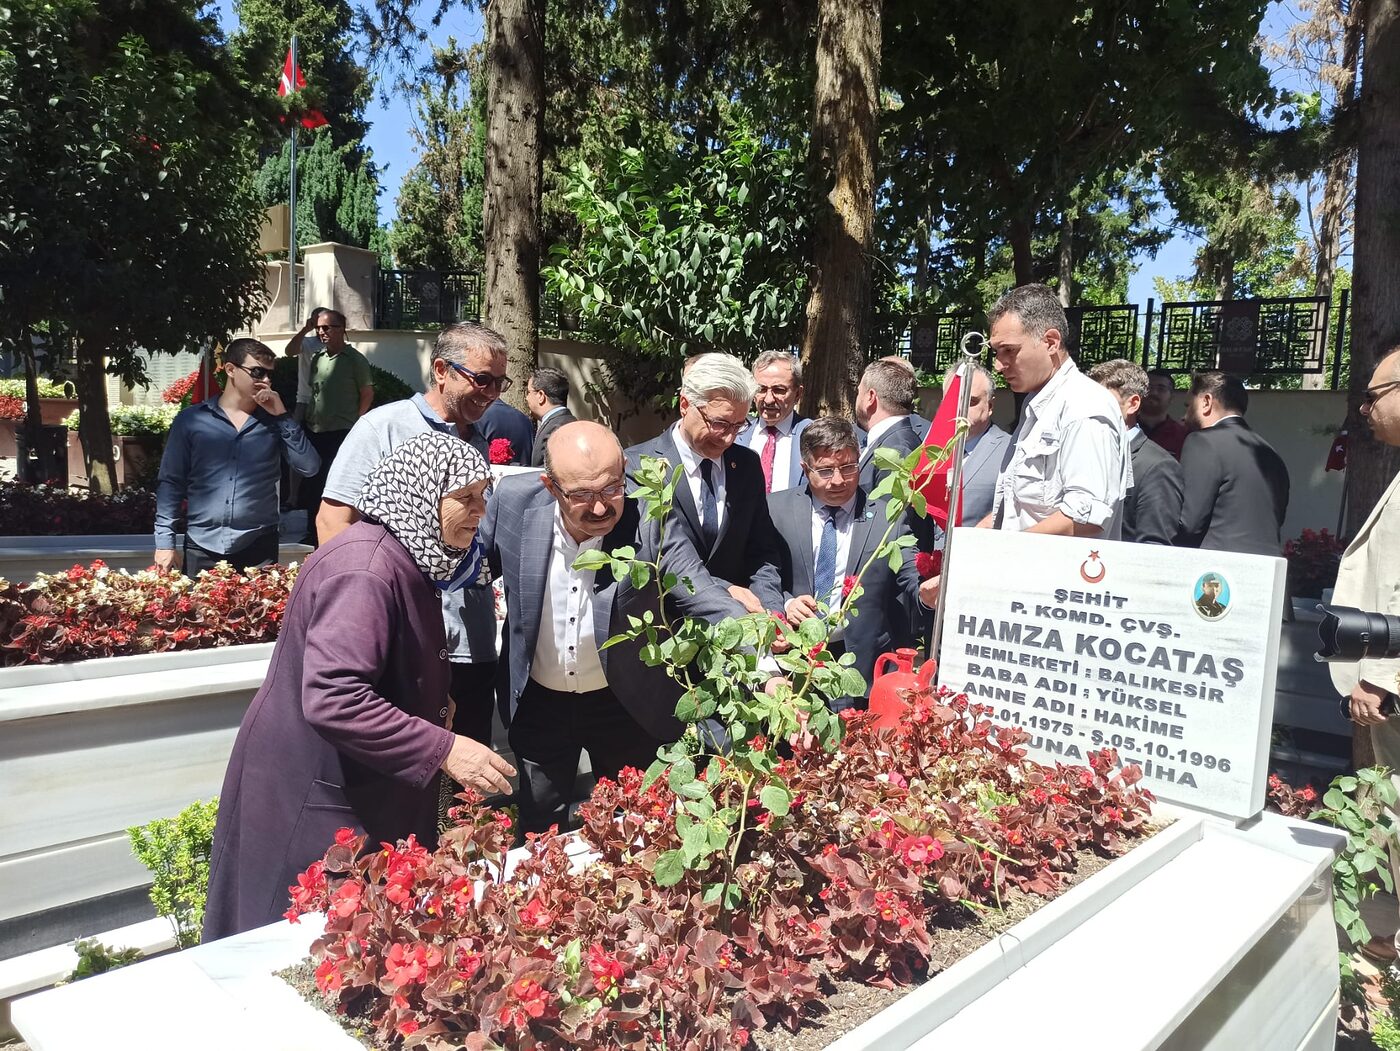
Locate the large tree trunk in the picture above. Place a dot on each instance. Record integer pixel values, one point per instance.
(1066, 257)
(511, 211)
(94, 425)
(844, 112)
(1375, 306)
(1022, 259)
(34, 419)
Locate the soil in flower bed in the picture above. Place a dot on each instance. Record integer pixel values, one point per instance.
(847, 1004)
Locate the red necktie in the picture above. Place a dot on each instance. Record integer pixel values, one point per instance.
(770, 449)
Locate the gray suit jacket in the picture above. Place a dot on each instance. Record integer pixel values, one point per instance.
(799, 424)
(1236, 490)
(887, 611)
(547, 428)
(746, 551)
(1152, 507)
(981, 468)
(518, 536)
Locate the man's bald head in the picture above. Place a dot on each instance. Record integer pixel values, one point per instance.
(583, 468)
(582, 448)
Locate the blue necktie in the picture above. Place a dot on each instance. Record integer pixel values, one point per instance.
(824, 576)
(709, 508)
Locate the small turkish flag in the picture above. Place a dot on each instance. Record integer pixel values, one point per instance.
(292, 80)
(1337, 455)
(932, 479)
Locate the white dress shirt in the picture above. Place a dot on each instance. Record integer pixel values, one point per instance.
(690, 460)
(1070, 454)
(782, 455)
(566, 653)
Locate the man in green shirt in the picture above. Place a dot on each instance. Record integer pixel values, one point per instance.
(341, 393)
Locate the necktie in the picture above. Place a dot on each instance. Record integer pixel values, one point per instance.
(824, 574)
(770, 449)
(709, 508)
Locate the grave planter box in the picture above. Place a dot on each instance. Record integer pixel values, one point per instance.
(21, 557)
(1206, 937)
(90, 748)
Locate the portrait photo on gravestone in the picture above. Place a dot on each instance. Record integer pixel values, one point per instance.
(1096, 643)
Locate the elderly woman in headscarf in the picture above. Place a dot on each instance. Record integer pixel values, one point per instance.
(350, 726)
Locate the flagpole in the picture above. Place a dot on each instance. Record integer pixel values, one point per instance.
(293, 317)
(972, 344)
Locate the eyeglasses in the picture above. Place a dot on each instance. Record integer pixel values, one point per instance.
(719, 426)
(484, 380)
(327, 328)
(589, 497)
(256, 371)
(777, 392)
(1374, 394)
(826, 474)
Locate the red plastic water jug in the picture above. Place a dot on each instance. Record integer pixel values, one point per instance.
(885, 699)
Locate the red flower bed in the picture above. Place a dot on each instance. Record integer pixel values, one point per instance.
(883, 839)
(43, 510)
(94, 611)
(1313, 559)
(178, 391)
(11, 408)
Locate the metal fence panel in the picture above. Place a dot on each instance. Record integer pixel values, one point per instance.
(1260, 337)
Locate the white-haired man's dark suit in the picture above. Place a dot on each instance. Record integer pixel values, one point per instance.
(621, 725)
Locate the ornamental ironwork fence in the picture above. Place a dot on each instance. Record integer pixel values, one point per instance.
(416, 299)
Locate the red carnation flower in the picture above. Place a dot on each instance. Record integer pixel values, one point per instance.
(929, 565)
(847, 586)
(501, 452)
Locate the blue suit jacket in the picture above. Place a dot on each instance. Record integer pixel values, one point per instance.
(799, 424)
(505, 421)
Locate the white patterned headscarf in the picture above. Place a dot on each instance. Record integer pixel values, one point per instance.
(404, 494)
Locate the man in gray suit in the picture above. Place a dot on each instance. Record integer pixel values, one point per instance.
(547, 398)
(984, 449)
(1152, 508)
(566, 692)
(1236, 493)
(828, 534)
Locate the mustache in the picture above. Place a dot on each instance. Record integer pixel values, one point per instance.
(608, 516)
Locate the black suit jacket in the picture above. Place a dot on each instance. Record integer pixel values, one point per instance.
(504, 421)
(887, 611)
(746, 551)
(901, 437)
(1236, 492)
(1152, 507)
(547, 428)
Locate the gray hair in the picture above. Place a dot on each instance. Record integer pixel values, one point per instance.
(780, 357)
(830, 433)
(1038, 309)
(980, 370)
(455, 342)
(1125, 378)
(717, 375)
(893, 384)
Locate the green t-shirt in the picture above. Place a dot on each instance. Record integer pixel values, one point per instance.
(336, 380)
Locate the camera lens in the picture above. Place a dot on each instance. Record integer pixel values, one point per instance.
(1347, 634)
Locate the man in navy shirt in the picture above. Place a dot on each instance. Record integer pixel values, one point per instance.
(223, 459)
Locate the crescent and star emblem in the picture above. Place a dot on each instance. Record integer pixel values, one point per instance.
(1085, 567)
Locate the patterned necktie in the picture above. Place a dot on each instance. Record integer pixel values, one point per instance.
(824, 575)
(770, 449)
(709, 507)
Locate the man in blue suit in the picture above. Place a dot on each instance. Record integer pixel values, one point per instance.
(720, 503)
(830, 533)
(775, 432)
(566, 693)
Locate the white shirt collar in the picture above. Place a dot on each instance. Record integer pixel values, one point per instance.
(847, 509)
(690, 459)
(1132, 434)
(881, 427)
(551, 412)
(783, 426)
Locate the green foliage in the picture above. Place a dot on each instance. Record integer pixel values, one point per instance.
(1360, 806)
(134, 420)
(337, 189)
(13, 388)
(96, 958)
(687, 251)
(176, 851)
(1385, 1031)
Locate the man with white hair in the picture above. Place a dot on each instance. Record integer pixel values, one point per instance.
(721, 503)
(984, 448)
(775, 431)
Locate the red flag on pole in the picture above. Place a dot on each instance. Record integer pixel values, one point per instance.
(932, 479)
(292, 80)
(1337, 455)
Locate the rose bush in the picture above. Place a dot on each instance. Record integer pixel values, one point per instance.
(886, 837)
(1313, 558)
(43, 510)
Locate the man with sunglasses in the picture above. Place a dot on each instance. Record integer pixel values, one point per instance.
(775, 432)
(1236, 485)
(829, 533)
(1369, 579)
(223, 461)
(468, 374)
(341, 392)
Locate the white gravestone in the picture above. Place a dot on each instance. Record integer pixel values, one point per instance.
(1166, 654)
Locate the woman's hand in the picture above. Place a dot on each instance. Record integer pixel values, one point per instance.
(474, 765)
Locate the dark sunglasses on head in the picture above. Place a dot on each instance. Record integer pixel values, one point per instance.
(256, 371)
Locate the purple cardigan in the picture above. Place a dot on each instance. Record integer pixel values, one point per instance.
(347, 730)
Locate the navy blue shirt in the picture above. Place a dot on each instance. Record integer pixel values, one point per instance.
(229, 478)
(505, 421)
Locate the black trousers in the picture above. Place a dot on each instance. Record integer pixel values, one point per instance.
(326, 444)
(261, 551)
(548, 733)
(473, 691)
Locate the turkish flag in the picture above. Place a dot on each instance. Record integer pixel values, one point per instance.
(205, 388)
(1337, 455)
(292, 80)
(932, 479)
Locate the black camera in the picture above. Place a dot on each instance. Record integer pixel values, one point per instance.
(1347, 634)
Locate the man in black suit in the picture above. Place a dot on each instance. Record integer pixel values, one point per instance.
(828, 534)
(566, 693)
(884, 399)
(547, 398)
(720, 502)
(505, 421)
(1152, 508)
(1236, 484)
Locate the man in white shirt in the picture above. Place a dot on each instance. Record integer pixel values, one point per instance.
(775, 431)
(1070, 465)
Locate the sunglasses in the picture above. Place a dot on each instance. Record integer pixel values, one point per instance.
(483, 380)
(1374, 394)
(327, 328)
(256, 371)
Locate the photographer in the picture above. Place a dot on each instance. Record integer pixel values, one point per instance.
(1369, 579)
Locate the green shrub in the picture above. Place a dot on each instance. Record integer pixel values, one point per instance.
(96, 958)
(1385, 1033)
(176, 850)
(14, 388)
(134, 420)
